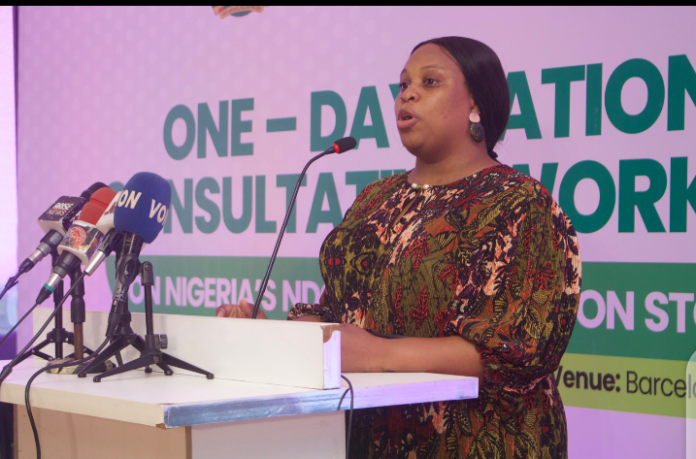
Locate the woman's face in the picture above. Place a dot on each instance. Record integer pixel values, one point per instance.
(432, 109)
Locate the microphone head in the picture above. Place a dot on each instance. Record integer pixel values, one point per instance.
(143, 206)
(61, 214)
(344, 144)
(90, 191)
(102, 197)
(83, 238)
(93, 211)
(90, 213)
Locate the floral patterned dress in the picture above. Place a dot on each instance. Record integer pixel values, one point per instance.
(491, 258)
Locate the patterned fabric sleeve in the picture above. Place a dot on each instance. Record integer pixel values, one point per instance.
(303, 309)
(522, 317)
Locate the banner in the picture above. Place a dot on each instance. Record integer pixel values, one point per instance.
(229, 103)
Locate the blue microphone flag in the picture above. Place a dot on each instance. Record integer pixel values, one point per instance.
(143, 206)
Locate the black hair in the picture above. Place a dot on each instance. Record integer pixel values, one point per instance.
(486, 81)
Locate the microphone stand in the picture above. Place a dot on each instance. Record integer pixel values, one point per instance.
(77, 314)
(59, 335)
(151, 347)
(338, 147)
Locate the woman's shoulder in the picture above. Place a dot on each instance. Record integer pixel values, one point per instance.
(526, 198)
(506, 184)
(515, 180)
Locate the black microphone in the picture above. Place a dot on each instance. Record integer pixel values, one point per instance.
(340, 146)
(87, 194)
(139, 215)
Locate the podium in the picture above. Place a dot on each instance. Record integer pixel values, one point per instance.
(247, 411)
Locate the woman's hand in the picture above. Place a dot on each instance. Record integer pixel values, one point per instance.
(243, 310)
(361, 352)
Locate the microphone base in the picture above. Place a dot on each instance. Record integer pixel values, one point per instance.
(150, 348)
(76, 369)
(149, 356)
(57, 336)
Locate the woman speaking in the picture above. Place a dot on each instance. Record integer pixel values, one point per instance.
(471, 261)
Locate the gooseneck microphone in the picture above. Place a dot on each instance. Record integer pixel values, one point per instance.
(338, 147)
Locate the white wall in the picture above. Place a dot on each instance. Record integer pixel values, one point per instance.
(8, 169)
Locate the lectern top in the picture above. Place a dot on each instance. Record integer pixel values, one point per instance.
(180, 400)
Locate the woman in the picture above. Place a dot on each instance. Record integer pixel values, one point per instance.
(469, 259)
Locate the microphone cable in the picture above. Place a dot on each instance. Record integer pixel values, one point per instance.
(350, 413)
(8, 368)
(11, 282)
(18, 322)
(27, 388)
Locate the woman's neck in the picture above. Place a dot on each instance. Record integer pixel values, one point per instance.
(449, 169)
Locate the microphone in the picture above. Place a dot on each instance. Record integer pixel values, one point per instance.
(140, 213)
(54, 223)
(83, 237)
(338, 147)
(48, 244)
(106, 222)
(80, 242)
(143, 206)
(103, 198)
(112, 240)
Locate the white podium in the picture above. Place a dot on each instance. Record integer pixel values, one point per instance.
(139, 415)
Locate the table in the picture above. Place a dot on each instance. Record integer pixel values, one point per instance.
(186, 416)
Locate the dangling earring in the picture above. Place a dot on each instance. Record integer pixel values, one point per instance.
(476, 130)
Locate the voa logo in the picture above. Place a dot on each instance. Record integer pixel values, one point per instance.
(129, 199)
(159, 209)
